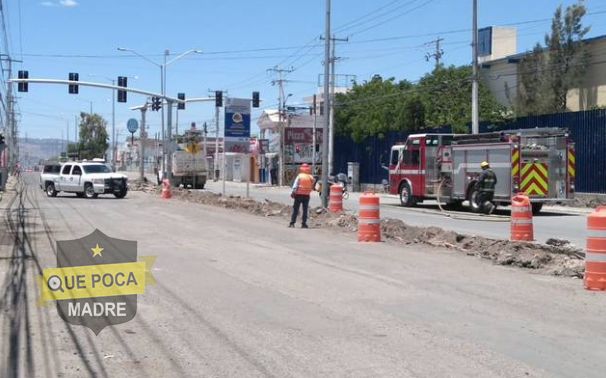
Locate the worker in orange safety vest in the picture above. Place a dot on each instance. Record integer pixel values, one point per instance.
(301, 191)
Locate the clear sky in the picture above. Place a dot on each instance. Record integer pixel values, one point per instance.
(241, 40)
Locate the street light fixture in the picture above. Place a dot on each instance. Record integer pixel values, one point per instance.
(113, 142)
(166, 158)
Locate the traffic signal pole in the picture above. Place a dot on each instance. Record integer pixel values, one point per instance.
(142, 141)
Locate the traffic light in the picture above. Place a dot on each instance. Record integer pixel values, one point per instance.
(73, 88)
(255, 101)
(1, 139)
(218, 99)
(181, 105)
(23, 87)
(156, 103)
(122, 82)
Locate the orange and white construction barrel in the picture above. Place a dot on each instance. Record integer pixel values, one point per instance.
(336, 199)
(369, 218)
(166, 193)
(522, 228)
(595, 254)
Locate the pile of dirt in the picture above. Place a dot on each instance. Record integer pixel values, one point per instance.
(142, 186)
(589, 201)
(557, 257)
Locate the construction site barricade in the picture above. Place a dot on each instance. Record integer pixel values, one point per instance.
(369, 218)
(522, 228)
(166, 193)
(595, 254)
(336, 199)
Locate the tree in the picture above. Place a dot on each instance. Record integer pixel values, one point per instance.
(368, 109)
(441, 98)
(93, 136)
(548, 74)
(446, 93)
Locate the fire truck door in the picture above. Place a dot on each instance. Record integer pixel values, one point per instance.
(395, 162)
(411, 160)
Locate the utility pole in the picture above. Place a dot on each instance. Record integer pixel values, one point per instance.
(142, 141)
(67, 133)
(475, 116)
(331, 125)
(326, 108)
(281, 110)
(169, 152)
(314, 139)
(204, 146)
(438, 54)
(164, 138)
(113, 127)
(11, 128)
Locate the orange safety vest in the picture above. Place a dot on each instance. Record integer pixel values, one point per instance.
(306, 182)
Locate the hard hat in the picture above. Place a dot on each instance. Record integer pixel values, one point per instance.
(305, 169)
(485, 164)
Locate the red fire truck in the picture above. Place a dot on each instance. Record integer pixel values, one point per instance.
(446, 167)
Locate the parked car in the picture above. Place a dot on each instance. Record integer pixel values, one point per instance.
(85, 179)
(48, 173)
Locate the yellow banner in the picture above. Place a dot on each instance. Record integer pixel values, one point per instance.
(104, 280)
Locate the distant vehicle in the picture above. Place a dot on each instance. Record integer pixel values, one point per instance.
(189, 169)
(85, 179)
(446, 167)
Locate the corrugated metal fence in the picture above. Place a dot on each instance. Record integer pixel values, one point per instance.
(588, 130)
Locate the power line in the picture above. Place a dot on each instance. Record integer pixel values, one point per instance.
(391, 19)
(341, 30)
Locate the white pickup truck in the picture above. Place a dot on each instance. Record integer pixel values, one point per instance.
(85, 179)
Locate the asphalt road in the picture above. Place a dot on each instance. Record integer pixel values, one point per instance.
(550, 223)
(243, 296)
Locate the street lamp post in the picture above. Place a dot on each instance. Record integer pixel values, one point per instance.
(165, 136)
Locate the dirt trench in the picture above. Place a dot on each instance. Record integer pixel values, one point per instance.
(557, 257)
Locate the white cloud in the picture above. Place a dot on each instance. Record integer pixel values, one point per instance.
(48, 4)
(68, 3)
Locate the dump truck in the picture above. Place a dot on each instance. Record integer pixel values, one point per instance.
(446, 167)
(189, 169)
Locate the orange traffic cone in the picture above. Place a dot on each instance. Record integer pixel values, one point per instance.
(166, 189)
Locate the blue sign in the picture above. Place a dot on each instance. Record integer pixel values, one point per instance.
(237, 118)
(132, 125)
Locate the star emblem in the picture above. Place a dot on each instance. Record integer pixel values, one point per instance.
(97, 251)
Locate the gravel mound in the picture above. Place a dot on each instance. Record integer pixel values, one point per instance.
(557, 257)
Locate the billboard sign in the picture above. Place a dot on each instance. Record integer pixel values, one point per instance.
(237, 125)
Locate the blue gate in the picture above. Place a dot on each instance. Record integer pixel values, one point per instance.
(587, 129)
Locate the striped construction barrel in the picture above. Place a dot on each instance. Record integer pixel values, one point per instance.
(336, 199)
(369, 218)
(521, 219)
(595, 254)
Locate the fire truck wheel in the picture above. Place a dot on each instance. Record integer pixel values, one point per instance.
(474, 197)
(406, 199)
(536, 208)
(454, 205)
